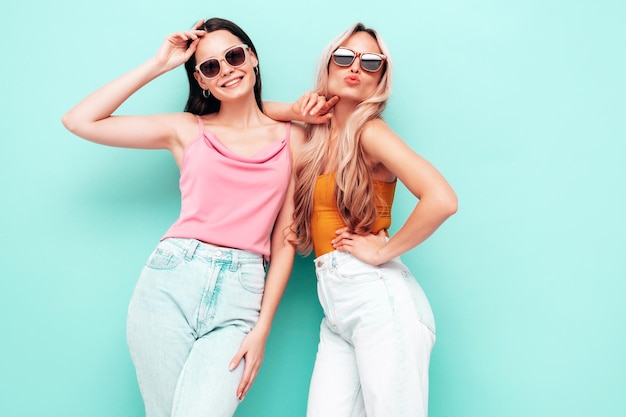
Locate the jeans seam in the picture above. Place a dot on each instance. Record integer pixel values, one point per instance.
(355, 397)
(399, 346)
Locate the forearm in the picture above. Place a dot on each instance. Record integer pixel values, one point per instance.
(275, 284)
(425, 219)
(281, 111)
(103, 102)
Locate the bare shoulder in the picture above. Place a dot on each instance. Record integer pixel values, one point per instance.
(187, 127)
(380, 142)
(376, 126)
(377, 132)
(298, 137)
(392, 155)
(186, 119)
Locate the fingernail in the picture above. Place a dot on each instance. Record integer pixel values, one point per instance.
(231, 366)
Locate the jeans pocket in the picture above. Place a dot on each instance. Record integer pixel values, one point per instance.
(164, 258)
(354, 271)
(252, 277)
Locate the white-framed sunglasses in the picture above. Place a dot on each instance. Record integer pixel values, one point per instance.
(234, 56)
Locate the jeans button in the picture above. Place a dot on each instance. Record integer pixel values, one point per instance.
(319, 264)
(218, 253)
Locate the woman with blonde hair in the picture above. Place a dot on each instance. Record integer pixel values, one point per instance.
(378, 330)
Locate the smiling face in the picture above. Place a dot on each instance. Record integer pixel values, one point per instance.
(352, 82)
(231, 81)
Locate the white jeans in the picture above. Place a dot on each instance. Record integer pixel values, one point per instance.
(375, 340)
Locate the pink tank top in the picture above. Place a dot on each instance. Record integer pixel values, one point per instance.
(228, 199)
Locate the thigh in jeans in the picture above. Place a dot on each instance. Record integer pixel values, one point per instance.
(394, 364)
(383, 313)
(158, 327)
(206, 387)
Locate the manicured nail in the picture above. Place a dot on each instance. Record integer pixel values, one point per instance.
(231, 366)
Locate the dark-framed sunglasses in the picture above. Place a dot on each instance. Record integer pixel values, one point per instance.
(370, 61)
(235, 56)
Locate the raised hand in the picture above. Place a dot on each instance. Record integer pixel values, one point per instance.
(176, 48)
(313, 108)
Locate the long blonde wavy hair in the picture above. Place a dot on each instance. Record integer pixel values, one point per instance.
(354, 191)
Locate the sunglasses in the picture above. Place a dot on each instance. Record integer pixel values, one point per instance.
(234, 56)
(370, 61)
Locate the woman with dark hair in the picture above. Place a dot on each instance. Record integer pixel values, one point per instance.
(203, 301)
(378, 328)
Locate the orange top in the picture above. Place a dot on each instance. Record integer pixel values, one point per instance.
(326, 217)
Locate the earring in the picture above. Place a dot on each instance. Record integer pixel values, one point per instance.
(206, 93)
(256, 70)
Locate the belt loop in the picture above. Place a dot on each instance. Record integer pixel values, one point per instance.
(190, 250)
(234, 261)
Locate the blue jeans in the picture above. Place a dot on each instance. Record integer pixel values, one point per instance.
(375, 340)
(192, 306)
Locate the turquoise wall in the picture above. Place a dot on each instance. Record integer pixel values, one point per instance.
(521, 104)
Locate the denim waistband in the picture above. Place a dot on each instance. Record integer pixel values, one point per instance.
(193, 248)
(330, 260)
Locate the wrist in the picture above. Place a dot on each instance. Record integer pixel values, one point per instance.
(262, 326)
(293, 113)
(382, 255)
(155, 67)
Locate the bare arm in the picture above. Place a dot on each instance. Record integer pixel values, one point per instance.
(437, 199)
(283, 252)
(310, 108)
(92, 117)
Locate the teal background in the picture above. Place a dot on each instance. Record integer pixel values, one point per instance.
(521, 104)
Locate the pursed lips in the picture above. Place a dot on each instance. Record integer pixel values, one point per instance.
(352, 80)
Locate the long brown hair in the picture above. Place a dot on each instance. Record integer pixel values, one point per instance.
(354, 191)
